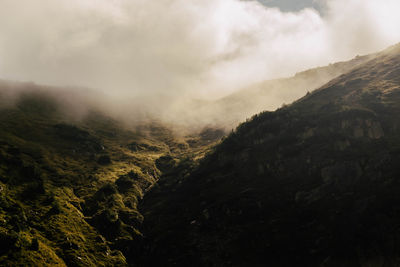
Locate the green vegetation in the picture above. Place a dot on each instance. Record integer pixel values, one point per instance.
(69, 188)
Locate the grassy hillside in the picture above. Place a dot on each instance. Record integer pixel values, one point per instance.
(314, 183)
(70, 183)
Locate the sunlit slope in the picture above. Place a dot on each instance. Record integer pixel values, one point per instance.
(315, 183)
(71, 178)
(272, 94)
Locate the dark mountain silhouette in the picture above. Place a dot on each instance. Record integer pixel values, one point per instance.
(315, 183)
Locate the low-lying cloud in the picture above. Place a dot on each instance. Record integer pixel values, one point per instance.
(165, 49)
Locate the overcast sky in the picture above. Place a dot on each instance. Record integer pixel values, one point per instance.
(204, 48)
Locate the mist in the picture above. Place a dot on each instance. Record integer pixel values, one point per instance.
(155, 55)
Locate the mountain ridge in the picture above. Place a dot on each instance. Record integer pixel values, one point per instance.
(312, 184)
(270, 94)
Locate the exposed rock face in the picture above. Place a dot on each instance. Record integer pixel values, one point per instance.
(344, 173)
(363, 128)
(375, 131)
(308, 133)
(358, 131)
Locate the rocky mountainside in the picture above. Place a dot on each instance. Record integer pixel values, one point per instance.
(315, 183)
(71, 178)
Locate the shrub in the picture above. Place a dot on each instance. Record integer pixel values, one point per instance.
(104, 160)
(34, 244)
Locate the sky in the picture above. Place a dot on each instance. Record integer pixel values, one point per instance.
(161, 50)
(292, 5)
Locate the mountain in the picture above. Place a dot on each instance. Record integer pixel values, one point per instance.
(315, 183)
(316, 180)
(269, 95)
(71, 177)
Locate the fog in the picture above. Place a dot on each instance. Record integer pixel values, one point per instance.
(155, 54)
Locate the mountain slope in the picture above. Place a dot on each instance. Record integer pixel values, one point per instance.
(269, 95)
(312, 184)
(71, 178)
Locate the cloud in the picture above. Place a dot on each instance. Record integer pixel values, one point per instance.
(165, 49)
(362, 26)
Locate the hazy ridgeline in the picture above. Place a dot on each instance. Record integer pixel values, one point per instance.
(185, 114)
(166, 59)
